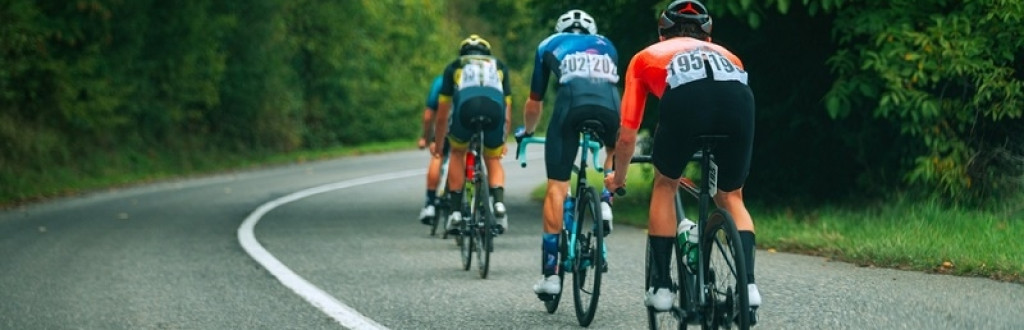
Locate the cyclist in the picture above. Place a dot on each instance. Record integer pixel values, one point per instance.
(434, 167)
(474, 84)
(584, 64)
(703, 90)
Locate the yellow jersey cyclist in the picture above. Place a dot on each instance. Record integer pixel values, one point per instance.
(474, 84)
(425, 141)
(584, 67)
(703, 90)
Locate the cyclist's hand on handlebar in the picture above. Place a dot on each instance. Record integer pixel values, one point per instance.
(522, 134)
(422, 143)
(612, 183)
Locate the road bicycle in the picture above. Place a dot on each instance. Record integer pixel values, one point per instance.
(478, 228)
(711, 291)
(581, 243)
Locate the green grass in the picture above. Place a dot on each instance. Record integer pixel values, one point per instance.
(111, 170)
(897, 233)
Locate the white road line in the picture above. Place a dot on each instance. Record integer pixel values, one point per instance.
(337, 310)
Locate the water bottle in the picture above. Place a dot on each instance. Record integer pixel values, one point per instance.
(686, 233)
(568, 210)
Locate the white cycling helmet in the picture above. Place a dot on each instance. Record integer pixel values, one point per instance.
(576, 19)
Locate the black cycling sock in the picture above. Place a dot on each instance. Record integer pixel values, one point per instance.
(747, 238)
(455, 200)
(431, 196)
(498, 193)
(661, 248)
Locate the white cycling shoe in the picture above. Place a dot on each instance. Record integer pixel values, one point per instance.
(548, 285)
(501, 217)
(427, 213)
(454, 220)
(661, 300)
(753, 295)
(606, 214)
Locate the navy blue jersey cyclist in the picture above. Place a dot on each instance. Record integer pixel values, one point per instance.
(434, 167)
(583, 65)
(474, 84)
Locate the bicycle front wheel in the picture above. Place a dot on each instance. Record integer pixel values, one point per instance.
(725, 274)
(589, 252)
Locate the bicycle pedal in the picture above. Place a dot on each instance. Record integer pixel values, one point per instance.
(753, 315)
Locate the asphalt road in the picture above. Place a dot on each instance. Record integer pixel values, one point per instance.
(168, 256)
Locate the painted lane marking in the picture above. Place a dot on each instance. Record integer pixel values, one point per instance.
(348, 317)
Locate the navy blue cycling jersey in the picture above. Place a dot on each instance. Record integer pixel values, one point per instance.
(573, 56)
(435, 92)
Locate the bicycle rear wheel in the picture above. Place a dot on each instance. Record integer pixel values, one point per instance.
(589, 247)
(674, 318)
(484, 215)
(464, 238)
(441, 202)
(441, 214)
(725, 274)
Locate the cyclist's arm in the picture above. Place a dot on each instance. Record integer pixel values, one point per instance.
(531, 114)
(444, 105)
(624, 148)
(508, 117)
(428, 123)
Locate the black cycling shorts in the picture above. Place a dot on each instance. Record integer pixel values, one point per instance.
(461, 130)
(700, 108)
(562, 143)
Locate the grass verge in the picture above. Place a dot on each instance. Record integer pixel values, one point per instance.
(899, 233)
(114, 170)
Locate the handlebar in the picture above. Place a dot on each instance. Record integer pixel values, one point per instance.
(593, 147)
(641, 159)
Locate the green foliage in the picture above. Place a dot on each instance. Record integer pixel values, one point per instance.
(948, 75)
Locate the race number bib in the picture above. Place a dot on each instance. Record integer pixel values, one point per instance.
(598, 67)
(688, 66)
(480, 72)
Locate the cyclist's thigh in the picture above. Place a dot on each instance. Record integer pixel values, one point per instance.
(683, 114)
(735, 117)
(560, 144)
(487, 103)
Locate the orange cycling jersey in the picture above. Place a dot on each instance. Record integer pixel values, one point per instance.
(668, 63)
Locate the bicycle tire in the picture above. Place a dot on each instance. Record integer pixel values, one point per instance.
(464, 239)
(441, 202)
(551, 305)
(441, 208)
(484, 215)
(721, 248)
(586, 270)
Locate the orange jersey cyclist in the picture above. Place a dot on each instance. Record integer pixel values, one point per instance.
(582, 64)
(474, 84)
(703, 90)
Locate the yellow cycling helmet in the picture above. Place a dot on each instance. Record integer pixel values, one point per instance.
(474, 45)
